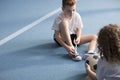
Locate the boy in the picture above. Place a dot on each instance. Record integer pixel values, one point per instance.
(67, 30)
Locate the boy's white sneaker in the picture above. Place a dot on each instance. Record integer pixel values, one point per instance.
(86, 55)
(77, 58)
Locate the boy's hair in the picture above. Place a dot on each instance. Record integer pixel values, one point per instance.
(68, 2)
(109, 42)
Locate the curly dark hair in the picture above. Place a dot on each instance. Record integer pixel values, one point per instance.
(109, 42)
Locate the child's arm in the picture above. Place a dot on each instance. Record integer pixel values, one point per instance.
(57, 36)
(90, 72)
(78, 33)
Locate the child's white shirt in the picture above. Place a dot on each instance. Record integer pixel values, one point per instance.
(73, 23)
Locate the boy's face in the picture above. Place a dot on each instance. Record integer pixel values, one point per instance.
(69, 11)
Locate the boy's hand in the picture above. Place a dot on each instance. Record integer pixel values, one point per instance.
(71, 50)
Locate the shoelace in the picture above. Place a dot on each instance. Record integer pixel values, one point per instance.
(76, 49)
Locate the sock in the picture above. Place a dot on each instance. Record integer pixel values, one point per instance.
(90, 51)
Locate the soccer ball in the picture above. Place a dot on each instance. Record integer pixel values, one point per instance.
(92, 60)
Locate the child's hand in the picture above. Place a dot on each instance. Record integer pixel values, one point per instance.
(71, 50)
(88, 68)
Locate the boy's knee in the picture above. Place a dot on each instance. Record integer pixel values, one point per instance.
(63, 23)
(95, 37)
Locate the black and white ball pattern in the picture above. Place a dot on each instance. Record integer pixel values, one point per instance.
(92, 60)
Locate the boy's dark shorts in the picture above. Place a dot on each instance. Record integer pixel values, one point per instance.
(73, 37)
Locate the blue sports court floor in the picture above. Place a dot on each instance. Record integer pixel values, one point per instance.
(27, 49)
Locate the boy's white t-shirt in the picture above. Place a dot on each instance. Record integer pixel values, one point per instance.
(108, 71)
(73, 23)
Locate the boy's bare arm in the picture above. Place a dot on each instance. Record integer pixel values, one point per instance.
(58, 37)
(78, 33)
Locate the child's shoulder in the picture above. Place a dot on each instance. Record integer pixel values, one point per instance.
(76, 14)
(59, 14)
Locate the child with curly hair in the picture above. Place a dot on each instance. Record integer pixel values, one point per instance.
(108, 67)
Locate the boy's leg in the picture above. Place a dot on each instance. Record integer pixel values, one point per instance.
(92, 39)
(92, 44)
(65, 36)
(64, 31)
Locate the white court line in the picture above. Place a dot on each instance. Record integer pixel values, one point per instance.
(22, 30)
